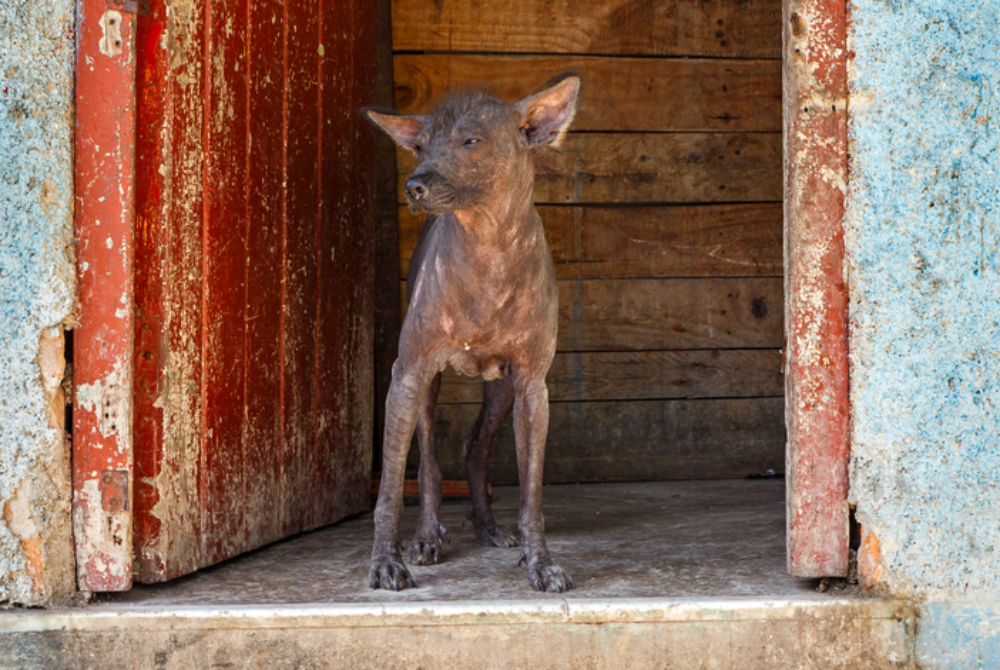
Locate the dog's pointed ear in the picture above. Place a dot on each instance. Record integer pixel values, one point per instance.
(404, 130)
(545, 116)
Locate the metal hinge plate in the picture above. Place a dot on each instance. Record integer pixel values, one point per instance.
(144, 7)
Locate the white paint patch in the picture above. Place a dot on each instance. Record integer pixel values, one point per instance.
(104, 539)
(111, 36)
(109, 399)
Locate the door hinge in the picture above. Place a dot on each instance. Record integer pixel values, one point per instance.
(143, 7)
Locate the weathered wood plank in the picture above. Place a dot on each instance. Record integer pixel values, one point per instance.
(224, 297)
(646, 375)
(652, 168)
(818, 382)
(664, 314)
(633, 94)
(300, 270)
(346, 263)
(151, 232)
(263, 449)
(656, 314)
(674, 241)
(724, 28)
(631, 441)
(173, 546)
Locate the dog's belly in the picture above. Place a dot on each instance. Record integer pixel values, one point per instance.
(473, 365)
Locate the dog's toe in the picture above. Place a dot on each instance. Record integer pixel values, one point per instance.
(424, 553)
(388, 572)
(549, 578)
(495, 535)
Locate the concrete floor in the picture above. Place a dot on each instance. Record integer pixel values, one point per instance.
(661, 540)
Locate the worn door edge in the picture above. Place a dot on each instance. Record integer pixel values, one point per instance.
(104, 213)
(817, 409)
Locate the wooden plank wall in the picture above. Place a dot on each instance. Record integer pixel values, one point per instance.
(663, 211)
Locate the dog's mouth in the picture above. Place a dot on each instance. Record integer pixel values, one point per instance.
(433, 203)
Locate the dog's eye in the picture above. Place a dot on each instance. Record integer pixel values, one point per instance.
(471, 142)
(417, 148)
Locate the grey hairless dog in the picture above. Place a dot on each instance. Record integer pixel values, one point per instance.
(483, 299)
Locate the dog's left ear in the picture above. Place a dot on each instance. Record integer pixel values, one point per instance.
(545, 116)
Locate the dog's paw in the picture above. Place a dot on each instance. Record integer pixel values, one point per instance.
(495, 535)
(388, 572)
(427, 543)
(549, 577)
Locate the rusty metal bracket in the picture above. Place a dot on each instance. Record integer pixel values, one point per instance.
(144, 7)
(114, 490)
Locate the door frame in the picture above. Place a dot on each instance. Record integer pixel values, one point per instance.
(102, 342)
(817, 403)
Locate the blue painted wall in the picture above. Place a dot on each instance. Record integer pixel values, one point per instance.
(922, 238)
(925, 289)
(36, 294)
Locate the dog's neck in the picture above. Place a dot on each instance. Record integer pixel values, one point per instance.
(499, 220)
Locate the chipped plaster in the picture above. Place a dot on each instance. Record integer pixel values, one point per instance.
(36, 297)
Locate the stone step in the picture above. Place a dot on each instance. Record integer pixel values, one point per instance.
(752, 633)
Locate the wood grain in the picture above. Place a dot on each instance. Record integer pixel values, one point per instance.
(671, 241)
(301, 267)
(265, 197)
(655, 314)
(652, 168)
(645, 375)
(346, 264)
(720, 28)
(618, 94)
(666, 314)
(650, 440)
(223, 486)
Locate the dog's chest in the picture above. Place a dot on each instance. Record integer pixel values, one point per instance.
(473, 364)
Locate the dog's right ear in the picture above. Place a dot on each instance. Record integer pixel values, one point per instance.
(404, 130)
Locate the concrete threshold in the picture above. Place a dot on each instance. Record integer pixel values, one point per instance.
(800, 632)
(715, 548)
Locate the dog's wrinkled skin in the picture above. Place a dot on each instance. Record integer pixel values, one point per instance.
(483, 299)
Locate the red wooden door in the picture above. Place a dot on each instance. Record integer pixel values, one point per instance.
(253, 275)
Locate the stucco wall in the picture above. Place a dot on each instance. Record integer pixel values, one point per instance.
(36, 297)
(922, 240)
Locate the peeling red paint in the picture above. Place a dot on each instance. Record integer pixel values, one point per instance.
(817, 402)
(253, 274)
(102, 417)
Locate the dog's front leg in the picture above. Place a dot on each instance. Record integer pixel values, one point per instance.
(405, 396)
(531, 425)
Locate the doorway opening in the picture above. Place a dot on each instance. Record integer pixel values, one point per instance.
(267, 295)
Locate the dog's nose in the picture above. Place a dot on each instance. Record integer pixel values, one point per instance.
(415, 187)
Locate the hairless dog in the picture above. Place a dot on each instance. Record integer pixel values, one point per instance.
(482, 299)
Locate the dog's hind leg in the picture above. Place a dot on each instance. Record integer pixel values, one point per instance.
(426, 546)
(498, 399)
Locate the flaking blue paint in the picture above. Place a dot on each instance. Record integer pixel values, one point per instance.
(36, 277)
(922, 241)
(958, 635)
